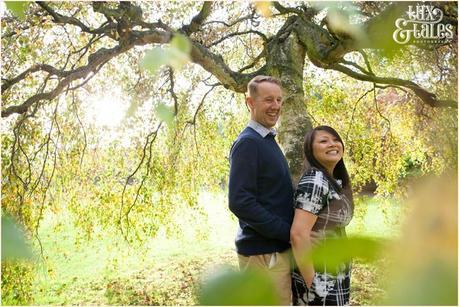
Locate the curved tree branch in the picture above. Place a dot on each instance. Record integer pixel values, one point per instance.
(38, 67)
(198, 20)
(237, 34)
(255, 61)
(250, 16)
(98, 58)
(324, 48)
(363, 70)
(286, 10)
(199, 55)
(426, 96)
(58, 18)
(213, 63)
(216, 65)
(327, 51)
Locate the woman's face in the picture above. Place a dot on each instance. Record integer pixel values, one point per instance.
(327, 149)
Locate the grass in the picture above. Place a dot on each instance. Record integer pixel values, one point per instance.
(107, 271)
(376, 217)
(168, 275)
(366, 282)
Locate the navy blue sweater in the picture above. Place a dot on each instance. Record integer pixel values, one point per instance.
(260, 194)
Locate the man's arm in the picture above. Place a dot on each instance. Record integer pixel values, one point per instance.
(242, 193)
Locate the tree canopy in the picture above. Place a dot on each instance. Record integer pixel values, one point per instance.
(182, 70)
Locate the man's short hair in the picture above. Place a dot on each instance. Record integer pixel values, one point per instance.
(253, 84)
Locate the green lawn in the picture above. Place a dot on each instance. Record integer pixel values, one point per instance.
(162, 271)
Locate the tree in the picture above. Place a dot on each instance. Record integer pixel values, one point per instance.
(302, 33)
(338, 63)
(60, 48)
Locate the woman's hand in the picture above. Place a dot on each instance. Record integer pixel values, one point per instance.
(310, 280)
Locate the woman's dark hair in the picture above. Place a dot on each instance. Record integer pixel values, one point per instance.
(340, 171)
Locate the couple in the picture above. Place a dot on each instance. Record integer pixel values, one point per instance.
(275, 220)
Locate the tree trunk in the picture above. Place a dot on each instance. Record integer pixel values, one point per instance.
(285, 60)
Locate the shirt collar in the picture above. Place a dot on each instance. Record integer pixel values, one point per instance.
(262, 130)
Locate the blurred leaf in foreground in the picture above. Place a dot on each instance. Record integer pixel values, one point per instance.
(181, 43)
(176, 55)
(425, 271)
(17, 8)
(336, 251)
(165, 113)
(154, 59)
(263, 8)
(14, 245)
(230, 287)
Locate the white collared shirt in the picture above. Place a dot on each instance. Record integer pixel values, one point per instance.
(260, 129)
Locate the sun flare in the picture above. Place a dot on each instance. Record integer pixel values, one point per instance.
(106, 109)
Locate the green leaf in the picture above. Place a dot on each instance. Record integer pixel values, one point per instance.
(154, 59)
(263, 8)
(181, 43)
(336, 251)
(17, 8)
(229, 287)
(14, 244)
(177, 58)
(175, 55)
(165, 113)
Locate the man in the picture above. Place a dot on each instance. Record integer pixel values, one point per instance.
(260, 189)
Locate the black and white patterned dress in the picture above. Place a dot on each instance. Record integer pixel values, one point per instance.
(334, 211)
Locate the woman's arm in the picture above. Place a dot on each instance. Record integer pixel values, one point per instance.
(301, 242)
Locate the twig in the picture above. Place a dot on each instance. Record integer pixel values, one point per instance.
(353, 111)
(237, 34)
(376, 105)
(45, 192)
(75, 110)
(149, 144)
(367, 61)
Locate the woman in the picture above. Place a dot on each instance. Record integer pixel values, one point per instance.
(323, 207)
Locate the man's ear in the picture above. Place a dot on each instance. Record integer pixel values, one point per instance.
(249, 102)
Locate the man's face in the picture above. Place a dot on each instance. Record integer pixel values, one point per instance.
(265, 107)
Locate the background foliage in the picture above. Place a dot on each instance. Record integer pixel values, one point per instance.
(143, 175)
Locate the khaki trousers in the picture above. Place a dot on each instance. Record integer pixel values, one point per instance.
(278, 266)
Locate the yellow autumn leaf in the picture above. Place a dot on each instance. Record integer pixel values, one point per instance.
(263, 8)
